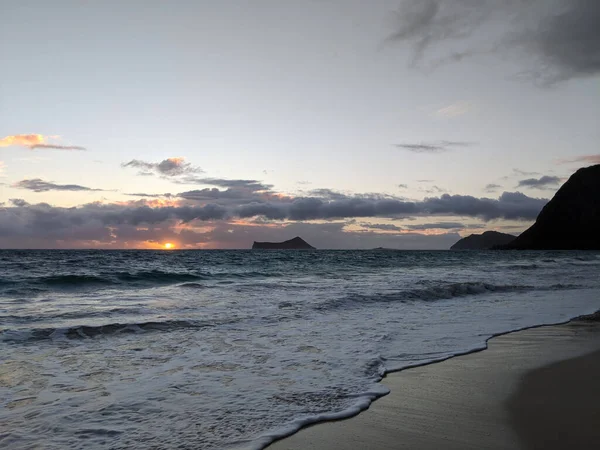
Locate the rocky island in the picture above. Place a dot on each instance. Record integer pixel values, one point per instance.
(485, 241)
(293, 244)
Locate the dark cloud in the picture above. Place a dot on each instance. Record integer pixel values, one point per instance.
(18, 202)
(39, 185)
(236, 192)
(554, 40)
(403, 186)
(207, 194)
(540, 183)
(443, 226)
(434, 147)
(381, 226)
(245, 185)
(508, 206)
(57, 147)
(142, 194)
(170, 167)
(492, 187)
(329, 194)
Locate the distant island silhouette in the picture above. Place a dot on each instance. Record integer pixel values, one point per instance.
(296, 243)
(571, 220)
(484, 241)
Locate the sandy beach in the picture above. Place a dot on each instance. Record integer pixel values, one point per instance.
(530, 389)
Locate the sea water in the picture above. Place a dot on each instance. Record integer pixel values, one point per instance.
(233, 349)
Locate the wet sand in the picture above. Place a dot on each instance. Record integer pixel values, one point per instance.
(557, 407)
(530, 389)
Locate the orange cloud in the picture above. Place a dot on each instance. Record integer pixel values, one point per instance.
(34, 141)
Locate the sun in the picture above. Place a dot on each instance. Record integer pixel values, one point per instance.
(169, 246)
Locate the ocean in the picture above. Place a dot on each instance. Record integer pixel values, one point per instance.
(233, 349)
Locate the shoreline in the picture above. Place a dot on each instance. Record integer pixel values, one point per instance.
(413, 395)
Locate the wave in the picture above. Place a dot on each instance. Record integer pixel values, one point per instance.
(91, 331)
(106, 279)
(192, 285)
(72, 280)
(157, 276)
(149, 278)
(433, 293)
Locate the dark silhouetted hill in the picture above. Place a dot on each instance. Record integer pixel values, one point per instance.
(483, 241)
(571, 220)
(293, 244)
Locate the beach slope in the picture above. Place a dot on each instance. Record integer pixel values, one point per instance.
(494, 399)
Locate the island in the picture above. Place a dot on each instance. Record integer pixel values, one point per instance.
(571, 220)
(485, 241)
(293, 244)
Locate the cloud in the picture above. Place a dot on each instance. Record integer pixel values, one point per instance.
(540, 183)
(435, 147)
(18, 202)
(236, 192)
(245, 185)
(215, 194)
(35, 141)
(454, 110)
(329, 194)
(403, 186)
(39, 185)
(170, 167)
(433, 190)
(554, 40)
(492, 187)
(510, 205)
(381, 226)
(443, 226)
(588, 159)
(143, 194)
(2, 166)
(523, 173)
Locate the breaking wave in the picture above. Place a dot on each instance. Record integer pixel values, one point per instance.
(432, 293)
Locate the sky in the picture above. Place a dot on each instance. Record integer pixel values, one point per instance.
(390, 123)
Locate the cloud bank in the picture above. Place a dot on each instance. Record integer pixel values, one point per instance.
(211, 217)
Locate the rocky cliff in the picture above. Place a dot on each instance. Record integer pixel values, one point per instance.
(571, 220)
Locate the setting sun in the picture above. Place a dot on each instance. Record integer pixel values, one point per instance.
(169, 246)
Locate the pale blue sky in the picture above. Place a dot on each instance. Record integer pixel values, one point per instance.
(277, 91)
